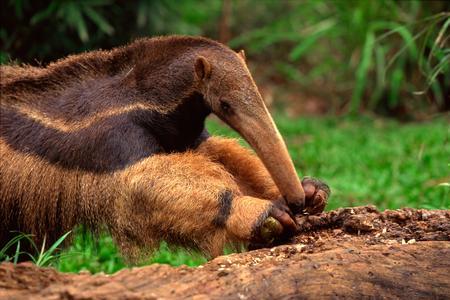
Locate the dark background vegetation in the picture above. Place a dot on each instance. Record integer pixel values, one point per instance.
(341, 78)
(389, 57)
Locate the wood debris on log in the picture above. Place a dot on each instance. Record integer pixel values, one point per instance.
(351, 252)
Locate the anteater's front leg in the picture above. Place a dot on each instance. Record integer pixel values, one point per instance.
(254, 179)
(187, 199)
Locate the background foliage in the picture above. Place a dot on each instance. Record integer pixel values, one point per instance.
(387, 56)
(350, 59)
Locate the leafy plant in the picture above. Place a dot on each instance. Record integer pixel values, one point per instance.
(378, 55)
(46, 257)
(46, 30)
(386, 56)
(74, 15)
(42, 257)
(14, 241)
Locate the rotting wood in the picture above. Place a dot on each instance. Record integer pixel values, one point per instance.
(352, 253)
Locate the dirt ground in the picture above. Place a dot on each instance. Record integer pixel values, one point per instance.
(347, 253)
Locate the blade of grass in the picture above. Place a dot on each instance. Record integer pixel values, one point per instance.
(11, 242)
(17, 254)
(361, 72)
(99, 20)
(46, 256)
(439, 38)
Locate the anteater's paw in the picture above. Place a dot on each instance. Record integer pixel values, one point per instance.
(316, 195)
(274, 227)
(260, 221)
(278, 225)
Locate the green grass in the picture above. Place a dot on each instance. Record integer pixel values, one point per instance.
(364, 160)
(377, 162)
(42, 255)
(100, 254)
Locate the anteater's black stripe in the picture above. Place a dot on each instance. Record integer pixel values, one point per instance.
(225, 201)
(112, 143)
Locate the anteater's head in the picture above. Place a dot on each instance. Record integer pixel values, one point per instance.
(229, 89)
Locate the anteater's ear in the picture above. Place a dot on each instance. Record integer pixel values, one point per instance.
(202, 68)
(242, 54)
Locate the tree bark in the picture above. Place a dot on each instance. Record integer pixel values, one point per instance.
(348, 253)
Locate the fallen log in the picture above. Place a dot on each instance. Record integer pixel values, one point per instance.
(352, 253)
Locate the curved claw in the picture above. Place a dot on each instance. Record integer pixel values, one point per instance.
(317, 194)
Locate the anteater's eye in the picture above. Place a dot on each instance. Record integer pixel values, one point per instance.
(225, 107)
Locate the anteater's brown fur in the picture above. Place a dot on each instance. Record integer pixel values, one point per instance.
(117, 138)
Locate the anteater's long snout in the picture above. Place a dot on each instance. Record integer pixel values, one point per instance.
(263, 135)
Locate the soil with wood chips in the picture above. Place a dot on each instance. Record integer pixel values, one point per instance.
(350, 253)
